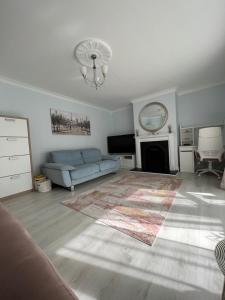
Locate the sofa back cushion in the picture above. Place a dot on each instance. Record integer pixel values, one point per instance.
(69, 157)
(91, 155)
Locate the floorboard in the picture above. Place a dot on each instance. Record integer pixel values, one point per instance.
(101, 263)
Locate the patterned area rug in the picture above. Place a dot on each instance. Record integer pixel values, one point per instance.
(134, 203)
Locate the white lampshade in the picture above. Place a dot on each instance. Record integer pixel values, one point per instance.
(210, 139)
(83, 70)
(104, 69)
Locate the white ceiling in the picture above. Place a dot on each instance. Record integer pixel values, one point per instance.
(156, 44)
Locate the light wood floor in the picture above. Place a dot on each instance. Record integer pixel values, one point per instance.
(101, 263)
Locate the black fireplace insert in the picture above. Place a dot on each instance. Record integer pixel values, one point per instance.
(155, 157)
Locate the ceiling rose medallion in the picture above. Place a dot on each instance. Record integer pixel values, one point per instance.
(93, 55)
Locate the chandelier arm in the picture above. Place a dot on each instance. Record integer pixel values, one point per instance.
(95, 81)
(92, 83)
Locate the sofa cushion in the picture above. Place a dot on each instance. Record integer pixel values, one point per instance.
(69, 157)
(107, 164)
(91, 155)
(84, 171)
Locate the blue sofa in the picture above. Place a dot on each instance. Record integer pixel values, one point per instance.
(70, 167)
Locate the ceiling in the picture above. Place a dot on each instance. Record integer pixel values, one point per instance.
(156, 45)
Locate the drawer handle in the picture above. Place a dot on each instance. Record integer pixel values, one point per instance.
(11, 139)
(14, 177)
(13, 158)
(10, 120)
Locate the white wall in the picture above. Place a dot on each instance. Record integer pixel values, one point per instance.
(122, 119)
(24, 102)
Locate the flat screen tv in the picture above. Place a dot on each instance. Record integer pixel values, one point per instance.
(121, 144)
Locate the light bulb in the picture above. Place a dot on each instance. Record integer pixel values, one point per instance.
(83, 71)
(104, 70)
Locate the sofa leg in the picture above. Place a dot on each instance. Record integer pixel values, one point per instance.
(72, 188)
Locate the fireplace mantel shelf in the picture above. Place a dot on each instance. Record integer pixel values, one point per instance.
(155, 136)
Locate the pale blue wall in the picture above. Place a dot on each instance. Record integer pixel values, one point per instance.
(196, 108)
(36, 106)
(202, 107)
(123, 122)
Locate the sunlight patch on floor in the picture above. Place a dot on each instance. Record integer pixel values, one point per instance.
(207, 198)
(117, 256)
(184, 202)
(83, 295)
(186, 240)
(200, 238)
(98, 261)
(202, 194)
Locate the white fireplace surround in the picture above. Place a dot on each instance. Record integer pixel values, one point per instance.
(168, 99)
(173, 161)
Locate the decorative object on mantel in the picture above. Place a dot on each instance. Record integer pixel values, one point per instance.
(153, 116)
(69, 123)
(134, 203)
(94, 56)
(169, 128)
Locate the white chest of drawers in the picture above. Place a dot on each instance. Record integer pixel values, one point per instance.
(187, 159)
(15, 156)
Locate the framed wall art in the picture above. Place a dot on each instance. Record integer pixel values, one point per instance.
(69, 123)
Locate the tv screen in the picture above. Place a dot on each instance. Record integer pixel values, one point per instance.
(121, 144)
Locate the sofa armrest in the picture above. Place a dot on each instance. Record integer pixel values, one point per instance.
(57, 175)
(57, 166)
(112, 157)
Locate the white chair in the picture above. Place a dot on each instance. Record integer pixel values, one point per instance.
(210, 147)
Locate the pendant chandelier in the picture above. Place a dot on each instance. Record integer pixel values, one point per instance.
(93, 55)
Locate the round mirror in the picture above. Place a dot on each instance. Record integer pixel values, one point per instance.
(153, 116)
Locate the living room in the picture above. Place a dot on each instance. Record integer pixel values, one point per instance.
(121, 107)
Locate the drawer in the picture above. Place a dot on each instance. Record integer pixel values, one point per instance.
(14, 165)
(10, 146)
(187, 148)
(15, 184)
(13, 127)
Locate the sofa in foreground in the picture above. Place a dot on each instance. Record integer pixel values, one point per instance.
(71, 167)
(26, 273)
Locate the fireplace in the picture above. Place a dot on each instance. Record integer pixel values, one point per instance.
(167, 144)
(155, 157)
